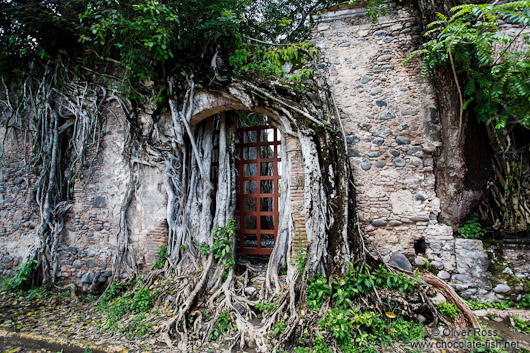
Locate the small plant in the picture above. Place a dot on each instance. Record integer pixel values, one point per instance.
(205, 249)
(279, 327)
(472, 229)
(222, 324)
(521, 325)
(23, 273)
(266, 307)
(222, 244)
(318, 290)
(161, 257)
(448, 309)
(300, 258)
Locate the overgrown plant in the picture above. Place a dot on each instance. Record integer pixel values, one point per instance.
(161, 257)
(472, 229)
(22, 277)
(448, 309)
(223, 238)
(473, 43)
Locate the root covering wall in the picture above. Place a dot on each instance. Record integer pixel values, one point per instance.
(393, 138)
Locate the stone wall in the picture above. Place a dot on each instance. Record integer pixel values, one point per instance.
(390, 122)
(19, 215)
(394, 138)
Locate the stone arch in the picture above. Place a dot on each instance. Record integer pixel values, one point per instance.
(292, 232)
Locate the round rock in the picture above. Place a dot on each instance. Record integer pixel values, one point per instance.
(444, 275)
(399, 260)
(501, 288)
(365, 164)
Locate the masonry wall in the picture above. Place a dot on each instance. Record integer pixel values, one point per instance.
(394, 137)
(390, 121)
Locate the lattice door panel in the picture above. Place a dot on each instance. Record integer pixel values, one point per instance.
(259, 168)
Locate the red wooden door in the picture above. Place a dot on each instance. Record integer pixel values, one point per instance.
(258, 191)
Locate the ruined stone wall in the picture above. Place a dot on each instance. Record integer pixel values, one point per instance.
(390, 122)
(19, 214)
(394, 137)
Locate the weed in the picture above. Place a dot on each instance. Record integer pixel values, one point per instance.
(222, 324)
(317, 291)
(279, 327)
(300, 258)
(161, 257)
(472, 229)
(266, 307)
(21, 278)
(448, 309)
(521, 325)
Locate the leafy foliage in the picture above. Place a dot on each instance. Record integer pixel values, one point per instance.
(117, 302)
(521, 325)
(355, 282)
(472, 229)
(448, 309)
(357, 331)
(496, 75)
(23, 273)
(222, 244)
(222, 324)
(161, 257)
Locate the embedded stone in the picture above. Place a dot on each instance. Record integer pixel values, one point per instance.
(444, 275)
(366, 79)
(102, 279)
(382, 131)
(402, 140)
(374, 154)
(420, 197)
(399, 260)
(87, 277)
(91, 263)
(394, 153)
(365, 164)
(344, 45)
(501, 289)
(352, 139)
(385, 57)
(414, 149)
(352, 152)
(462, 278)
(395, 223)
(99, 202)
(379, 223)
(376, 91)
(378, 141)
(380, 33)
(388, 39)
(399, 162)
(77, 264)
(380, 164)
(409, 112)
(387, 116)
(381, 103)
(6, 259)
(72, 249)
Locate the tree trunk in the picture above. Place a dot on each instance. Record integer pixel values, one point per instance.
(457, 200)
